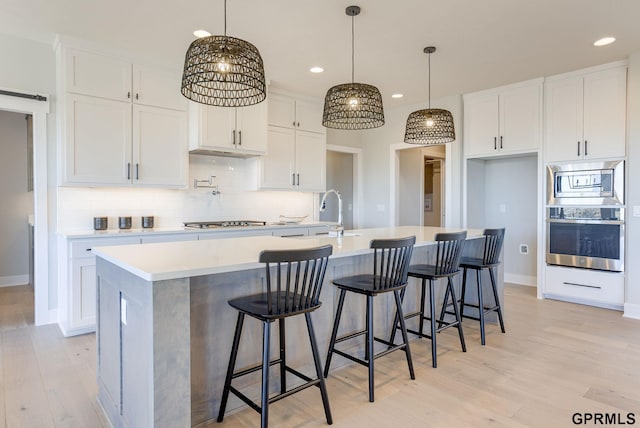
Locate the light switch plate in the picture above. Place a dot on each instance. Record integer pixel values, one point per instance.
(636, 210)
(503, 208)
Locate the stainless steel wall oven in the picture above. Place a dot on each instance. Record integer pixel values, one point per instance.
(590, 238)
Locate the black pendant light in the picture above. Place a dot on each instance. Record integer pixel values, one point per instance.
(353, 105)
(223, 71)
(430, 125)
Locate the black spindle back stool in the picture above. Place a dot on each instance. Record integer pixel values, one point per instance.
(449, 248)
(490, 260)
(390, 266)
(294, 281)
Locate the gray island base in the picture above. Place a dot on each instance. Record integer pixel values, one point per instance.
(164, 327)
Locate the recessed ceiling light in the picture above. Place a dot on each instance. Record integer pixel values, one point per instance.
(397, 96)
(604, 41)
(316, 69)
(201, 33)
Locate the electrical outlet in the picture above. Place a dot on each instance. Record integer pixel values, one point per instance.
(503, 208)
(524, 249)
(123, 310)
(636, 210)
(380, 207)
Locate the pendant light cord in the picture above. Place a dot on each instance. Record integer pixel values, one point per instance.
(225, 17)
(429, 79)
(352, 51)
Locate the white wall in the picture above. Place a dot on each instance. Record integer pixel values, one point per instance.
(410, 186)
(238, 199)
(512, 183)
(632, 300)
(17, 202)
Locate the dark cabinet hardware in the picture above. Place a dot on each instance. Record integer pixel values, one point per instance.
(239, 138)
(128, 170)
(578, 148)
(137, 171)
(495, 143)
(586, 153)
(501, 141)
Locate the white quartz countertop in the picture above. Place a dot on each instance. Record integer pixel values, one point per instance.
(171, 260)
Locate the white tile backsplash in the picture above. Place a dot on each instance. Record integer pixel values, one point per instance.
(238, 199)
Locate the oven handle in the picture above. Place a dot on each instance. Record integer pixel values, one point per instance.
(582, 221)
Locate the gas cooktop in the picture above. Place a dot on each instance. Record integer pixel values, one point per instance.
(223, 223)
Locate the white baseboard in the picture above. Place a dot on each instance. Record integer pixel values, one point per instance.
(514, 278)
(631, 310)
(10, 281)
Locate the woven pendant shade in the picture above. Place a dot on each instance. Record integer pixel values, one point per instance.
(353, 105)
(223, 71)
(440, 132)
(431, 125)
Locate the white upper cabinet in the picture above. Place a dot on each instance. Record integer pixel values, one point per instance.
(239, 132)
(296, 160)
(504, 120)
(124, 124)
(585, 114)
(297, 145)
(289, 112)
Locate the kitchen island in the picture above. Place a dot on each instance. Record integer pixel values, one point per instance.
(165, 329)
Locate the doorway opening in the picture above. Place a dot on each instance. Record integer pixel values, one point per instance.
(420, 186)
(37, 108)
(344, 168)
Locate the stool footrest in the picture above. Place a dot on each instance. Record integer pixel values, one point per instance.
(309, 382)
(350, 336)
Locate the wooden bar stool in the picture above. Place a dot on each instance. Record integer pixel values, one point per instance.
(294, 289)
(391, 259)
(490, 260)
(448, 253)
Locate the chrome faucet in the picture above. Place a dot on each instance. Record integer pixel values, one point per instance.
(340, 227)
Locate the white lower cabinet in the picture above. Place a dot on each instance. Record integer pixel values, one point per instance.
(77, 285)
(585, 286)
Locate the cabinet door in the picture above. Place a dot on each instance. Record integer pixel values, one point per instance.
(160, 154)
(604, 113)
(251, 125)
(481, 125)
(276, 168)
(282, 111)
(97, 141)
(309, 116)
(157, 87)
(520, 119)
(83, 279)
(218, 128)
(311, 165)
(97, 75)
(563, 119)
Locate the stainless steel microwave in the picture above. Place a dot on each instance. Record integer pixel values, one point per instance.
(592, 183)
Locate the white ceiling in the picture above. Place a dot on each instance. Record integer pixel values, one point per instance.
(481, 43)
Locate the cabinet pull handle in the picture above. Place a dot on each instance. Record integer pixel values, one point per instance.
(501, 141)
(137, 96)
(88, 249)
(128, 170)
(495, 143)
(293, 179)
(586, 153)
(578, 148)
(234, 137)
(239, 138)
(137, 171)
(298, 175)
(582, 285)
(128, 95)
(298, 124)
(294, 123)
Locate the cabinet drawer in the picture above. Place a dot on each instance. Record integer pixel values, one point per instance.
(585, 286)
(82, 247)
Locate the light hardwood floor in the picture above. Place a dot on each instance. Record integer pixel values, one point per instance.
(555, 359)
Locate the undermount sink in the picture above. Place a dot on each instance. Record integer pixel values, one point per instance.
(333, 234)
